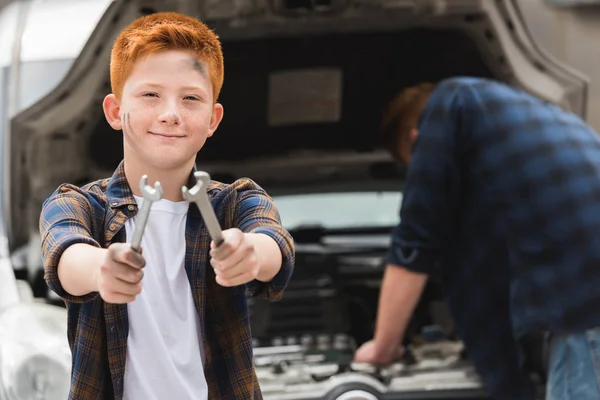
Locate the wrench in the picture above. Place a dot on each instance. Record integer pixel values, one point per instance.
(198, 195)
(150, 195)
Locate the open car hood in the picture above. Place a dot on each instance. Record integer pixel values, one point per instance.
(46, 139)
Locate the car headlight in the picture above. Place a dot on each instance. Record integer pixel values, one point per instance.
(35, 359)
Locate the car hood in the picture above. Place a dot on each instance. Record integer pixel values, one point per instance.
(41, 144)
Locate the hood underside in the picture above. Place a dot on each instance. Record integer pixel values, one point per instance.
(303, 94)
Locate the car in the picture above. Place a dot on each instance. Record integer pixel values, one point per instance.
(306, 83)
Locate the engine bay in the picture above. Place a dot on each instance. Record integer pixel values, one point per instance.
(309, 337)
(435, 371)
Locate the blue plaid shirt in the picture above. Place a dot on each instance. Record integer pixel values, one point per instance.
(502, 203)
(97, 331)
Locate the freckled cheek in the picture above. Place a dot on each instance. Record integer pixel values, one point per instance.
(189, 114)
(194, 118)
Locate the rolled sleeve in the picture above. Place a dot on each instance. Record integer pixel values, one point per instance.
(65, 220)
(431, 193)
(412, 257)
(256, 213)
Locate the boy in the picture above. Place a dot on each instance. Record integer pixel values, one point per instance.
(161, 324)
(502, 204)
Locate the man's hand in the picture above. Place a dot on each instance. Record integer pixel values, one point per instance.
(371, 353)
(120, 277)
(400, 292)
(234, 261)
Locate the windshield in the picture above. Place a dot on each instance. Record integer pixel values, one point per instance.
(340, 210)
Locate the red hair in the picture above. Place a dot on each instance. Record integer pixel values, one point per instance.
(403, 112)
(165, 31)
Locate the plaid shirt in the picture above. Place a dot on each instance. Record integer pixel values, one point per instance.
(502, 205)
(97, 331)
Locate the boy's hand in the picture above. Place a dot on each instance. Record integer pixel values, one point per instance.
(120, 277)
(234, 261)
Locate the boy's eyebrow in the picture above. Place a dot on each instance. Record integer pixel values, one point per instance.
(157, 85)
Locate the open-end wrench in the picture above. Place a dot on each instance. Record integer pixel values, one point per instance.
(150, 195)
(198, 195)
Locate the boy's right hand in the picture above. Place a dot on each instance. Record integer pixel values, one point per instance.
(120, 277)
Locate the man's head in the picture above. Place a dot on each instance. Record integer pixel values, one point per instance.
(166, 73)
(400, 120)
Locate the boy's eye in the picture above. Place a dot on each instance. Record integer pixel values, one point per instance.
(191, 98)
(149, 95)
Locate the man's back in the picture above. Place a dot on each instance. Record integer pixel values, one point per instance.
(536, 170)
(516, 184)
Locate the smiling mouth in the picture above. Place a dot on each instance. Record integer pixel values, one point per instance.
(167, 136)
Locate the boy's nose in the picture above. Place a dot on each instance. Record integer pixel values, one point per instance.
(169, 118)
(170, 115)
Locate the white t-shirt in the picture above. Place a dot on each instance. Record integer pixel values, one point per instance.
(164, 346)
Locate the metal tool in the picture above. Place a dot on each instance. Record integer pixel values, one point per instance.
(150, 195)
(198, 195)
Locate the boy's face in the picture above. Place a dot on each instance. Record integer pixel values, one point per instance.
(166, 111)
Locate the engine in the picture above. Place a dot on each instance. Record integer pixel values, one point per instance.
(304, 343)
(321, 368)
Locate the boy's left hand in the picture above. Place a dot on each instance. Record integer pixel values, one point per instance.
(234, 261)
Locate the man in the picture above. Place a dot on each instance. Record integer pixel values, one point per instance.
(163, 324)
(502, 204)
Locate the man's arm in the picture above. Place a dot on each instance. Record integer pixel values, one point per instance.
(400, 293)
(430, 203)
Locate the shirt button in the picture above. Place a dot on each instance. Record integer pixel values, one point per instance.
(130, 208)
(112, 328)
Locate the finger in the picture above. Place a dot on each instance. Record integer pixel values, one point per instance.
(235, 281)
(127, 255)
(234, 258)
(246, 264)
(114, 285)
(127, 273)
(117, 298)
(223, 251)
(232, 238)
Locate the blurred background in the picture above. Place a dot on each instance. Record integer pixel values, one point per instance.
(305, 85)
(570, 34)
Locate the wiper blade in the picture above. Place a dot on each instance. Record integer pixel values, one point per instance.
(314, 233)
(308, 233)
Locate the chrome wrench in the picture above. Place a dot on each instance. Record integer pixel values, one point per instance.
(198, 195)
(150, 195)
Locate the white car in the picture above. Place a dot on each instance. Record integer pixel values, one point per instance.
(306, 81)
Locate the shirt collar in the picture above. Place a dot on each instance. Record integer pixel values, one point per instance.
(119, 193)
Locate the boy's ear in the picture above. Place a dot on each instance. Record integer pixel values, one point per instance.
(215, 119)
(112, 111)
